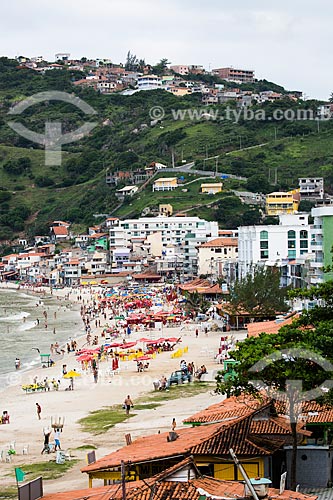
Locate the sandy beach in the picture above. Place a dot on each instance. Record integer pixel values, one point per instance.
(25, 429)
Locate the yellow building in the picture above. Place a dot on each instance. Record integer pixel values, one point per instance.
(165, 209)
(165, 184)
(282, 202)
(212, 187)
(255, 434)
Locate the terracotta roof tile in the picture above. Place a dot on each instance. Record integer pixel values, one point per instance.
(220, 242)
(231, 408)
(60, 230)
(270, 327)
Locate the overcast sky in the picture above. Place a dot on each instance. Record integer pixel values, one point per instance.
(288, 42)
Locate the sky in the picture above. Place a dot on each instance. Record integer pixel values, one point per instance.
(288, 42)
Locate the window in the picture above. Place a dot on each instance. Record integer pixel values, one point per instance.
(264, 254)
(303, 235)
(264, 235)
(304, 243)
(291, 244)
(264, 245)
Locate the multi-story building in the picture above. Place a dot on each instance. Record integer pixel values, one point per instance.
(214, 254)
(180, 69)
(273, 245)
(311, 188)
(281, 202)
(321, 243)
(149, 82)
(184, 232)
(235, 75)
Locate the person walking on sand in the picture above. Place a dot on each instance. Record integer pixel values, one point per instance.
(57, 439)
(128, 403)
(39, 410)
(46, 448)
(174, 424)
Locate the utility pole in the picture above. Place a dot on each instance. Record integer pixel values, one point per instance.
(123, 481)
(245, 476)
(173, 157)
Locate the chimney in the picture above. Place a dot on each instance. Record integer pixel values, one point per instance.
(172, 436)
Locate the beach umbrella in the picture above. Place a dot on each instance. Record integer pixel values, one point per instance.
(143, 358)
(71, 374)
(85, 357)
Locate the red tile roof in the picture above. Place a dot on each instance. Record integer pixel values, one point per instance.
(214, 439)
(220, 242)
(60, 230)
(271, 327)
(162, 488)
(229, 409)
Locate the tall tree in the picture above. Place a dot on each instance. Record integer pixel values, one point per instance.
(259, 291)
(161, 67)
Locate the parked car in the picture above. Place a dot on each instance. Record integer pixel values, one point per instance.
(179, 377)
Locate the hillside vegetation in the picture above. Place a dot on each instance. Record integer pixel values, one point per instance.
(33, 194)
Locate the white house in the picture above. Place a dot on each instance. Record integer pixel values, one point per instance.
(149, 82)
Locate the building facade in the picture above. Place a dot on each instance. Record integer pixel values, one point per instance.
(281, 202)
(273, 245)
(235, 75)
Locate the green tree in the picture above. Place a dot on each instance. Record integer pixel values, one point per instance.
(294, 355)
(161, 67)
(196, 303)
(258, 184)
(259, 291)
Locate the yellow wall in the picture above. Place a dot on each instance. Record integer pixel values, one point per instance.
(222, 470)
(229, 472)
(211, 188)
(279, 203)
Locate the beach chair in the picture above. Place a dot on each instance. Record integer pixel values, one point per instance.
(8, 457)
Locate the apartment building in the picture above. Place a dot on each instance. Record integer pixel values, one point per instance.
(185, 232)
(235, 75)
(283, 202)
(321, 243)
(149, 82)
(273, 245)
(180, 69)
(311, 188)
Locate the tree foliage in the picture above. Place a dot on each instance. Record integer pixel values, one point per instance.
(196, 303)
(259, 291)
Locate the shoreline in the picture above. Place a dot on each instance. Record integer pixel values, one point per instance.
(26, 429)
(32, 327)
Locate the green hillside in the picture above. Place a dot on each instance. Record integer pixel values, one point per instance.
(32, 194)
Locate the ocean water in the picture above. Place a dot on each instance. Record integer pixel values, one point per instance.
(20, 333)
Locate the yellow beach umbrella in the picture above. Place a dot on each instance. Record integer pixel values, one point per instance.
(72, 374)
